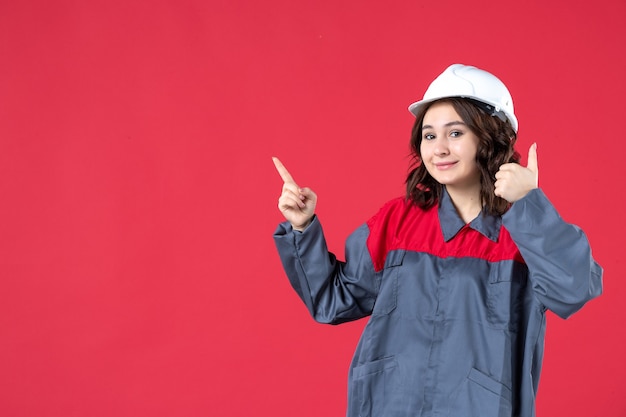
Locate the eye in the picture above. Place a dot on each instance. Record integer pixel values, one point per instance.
(429, 136)
(456, 133)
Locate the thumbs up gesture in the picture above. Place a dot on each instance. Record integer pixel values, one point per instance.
(513, 181)
(297, 204)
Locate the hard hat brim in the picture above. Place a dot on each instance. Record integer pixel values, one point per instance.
(414, 108)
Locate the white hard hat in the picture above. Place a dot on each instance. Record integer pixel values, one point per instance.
(470, 82)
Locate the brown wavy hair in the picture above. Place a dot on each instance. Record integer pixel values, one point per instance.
(495, 147)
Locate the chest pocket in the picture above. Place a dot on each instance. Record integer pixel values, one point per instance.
(507, 294)
(387, 299)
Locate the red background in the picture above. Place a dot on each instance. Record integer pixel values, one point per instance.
(138, 276)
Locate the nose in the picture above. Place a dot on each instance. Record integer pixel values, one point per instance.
(441, 147)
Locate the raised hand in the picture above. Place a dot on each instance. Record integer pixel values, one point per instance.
(297, 204)
(513, 181)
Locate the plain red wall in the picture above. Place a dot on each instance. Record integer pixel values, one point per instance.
(138, 276)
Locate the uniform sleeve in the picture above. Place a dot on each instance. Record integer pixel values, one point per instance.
(333, 291)
(562, 271)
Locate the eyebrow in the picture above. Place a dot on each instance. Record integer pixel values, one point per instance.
(454, 123)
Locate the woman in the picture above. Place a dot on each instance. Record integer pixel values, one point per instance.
(457, 276)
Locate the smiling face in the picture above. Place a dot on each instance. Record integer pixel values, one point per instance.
(448, 148)
(476, 146)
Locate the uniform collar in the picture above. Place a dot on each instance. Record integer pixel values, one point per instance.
(451, 223)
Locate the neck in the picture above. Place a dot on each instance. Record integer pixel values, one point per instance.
(467, 202)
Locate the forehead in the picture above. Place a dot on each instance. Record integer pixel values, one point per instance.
(440, 113)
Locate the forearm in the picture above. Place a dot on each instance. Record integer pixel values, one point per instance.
(333, 291)
(562, 270)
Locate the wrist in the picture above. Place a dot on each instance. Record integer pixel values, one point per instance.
(303, 226)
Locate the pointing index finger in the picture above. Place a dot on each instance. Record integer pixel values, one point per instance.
(282, 171)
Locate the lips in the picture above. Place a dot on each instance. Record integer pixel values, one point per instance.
(442, 166)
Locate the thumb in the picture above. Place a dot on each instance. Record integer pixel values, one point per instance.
(532, 158)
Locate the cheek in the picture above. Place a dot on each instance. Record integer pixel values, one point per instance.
(426, 156)
(467, 151)
(424, 152)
